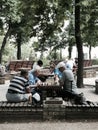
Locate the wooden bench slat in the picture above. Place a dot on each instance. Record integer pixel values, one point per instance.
(15, 65)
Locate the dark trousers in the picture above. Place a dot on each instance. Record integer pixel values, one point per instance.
(66, 94)
(78, 98)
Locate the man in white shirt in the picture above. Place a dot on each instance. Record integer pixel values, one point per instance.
(37, 64)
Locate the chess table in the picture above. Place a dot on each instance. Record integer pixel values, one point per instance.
(48, 90)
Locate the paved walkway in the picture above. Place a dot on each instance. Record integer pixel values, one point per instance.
(89, 90)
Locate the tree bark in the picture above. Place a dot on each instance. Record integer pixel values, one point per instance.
(18, 46)
(79, 45)
(60, 53)
(90, 47)
(4, 43)
(70, 50)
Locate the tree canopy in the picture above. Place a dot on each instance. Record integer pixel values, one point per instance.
(45, 19)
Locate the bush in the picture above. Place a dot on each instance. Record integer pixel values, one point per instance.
(95, 62)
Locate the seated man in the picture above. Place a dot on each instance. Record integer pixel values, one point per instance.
(70, 64)
(34, 81)
(69, 85)
(39, 64)
(56, 72)
(33, 76)
(19, 89)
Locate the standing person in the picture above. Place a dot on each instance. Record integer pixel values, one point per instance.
(69, 84)
(19, 89)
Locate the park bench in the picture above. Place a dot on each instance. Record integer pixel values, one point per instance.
(87, 63)
(69, 110)
(53, 108)
(88, 69)
(17, 64)
(19, 111)
(14, 67)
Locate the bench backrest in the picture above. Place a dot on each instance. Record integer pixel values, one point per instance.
(15, 65)
(87, 63)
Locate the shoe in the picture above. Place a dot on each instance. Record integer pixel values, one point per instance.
(34, 102)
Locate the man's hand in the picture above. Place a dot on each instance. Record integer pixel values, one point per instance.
(39, 83)
(61, 82)
(28, 90)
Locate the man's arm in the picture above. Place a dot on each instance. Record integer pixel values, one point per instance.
(61, 82)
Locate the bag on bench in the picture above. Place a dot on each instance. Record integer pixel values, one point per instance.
(80, 99)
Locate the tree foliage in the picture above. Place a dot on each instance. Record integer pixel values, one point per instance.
(45, 19)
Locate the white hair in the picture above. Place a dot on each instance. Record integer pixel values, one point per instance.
(60, 64)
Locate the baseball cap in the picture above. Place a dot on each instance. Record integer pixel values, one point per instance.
(60, 64)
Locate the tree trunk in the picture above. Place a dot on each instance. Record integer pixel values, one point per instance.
(55, 55)
(3, 44)
(70, 50)
(60, 53)
(79, 44)
(18, 46)
(41, 56)
(90, 52)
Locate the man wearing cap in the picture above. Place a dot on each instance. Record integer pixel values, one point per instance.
(68, 83)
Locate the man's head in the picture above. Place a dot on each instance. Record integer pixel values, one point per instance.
(40, 63)
(61, 66)
(24, 73)
(52, 67)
